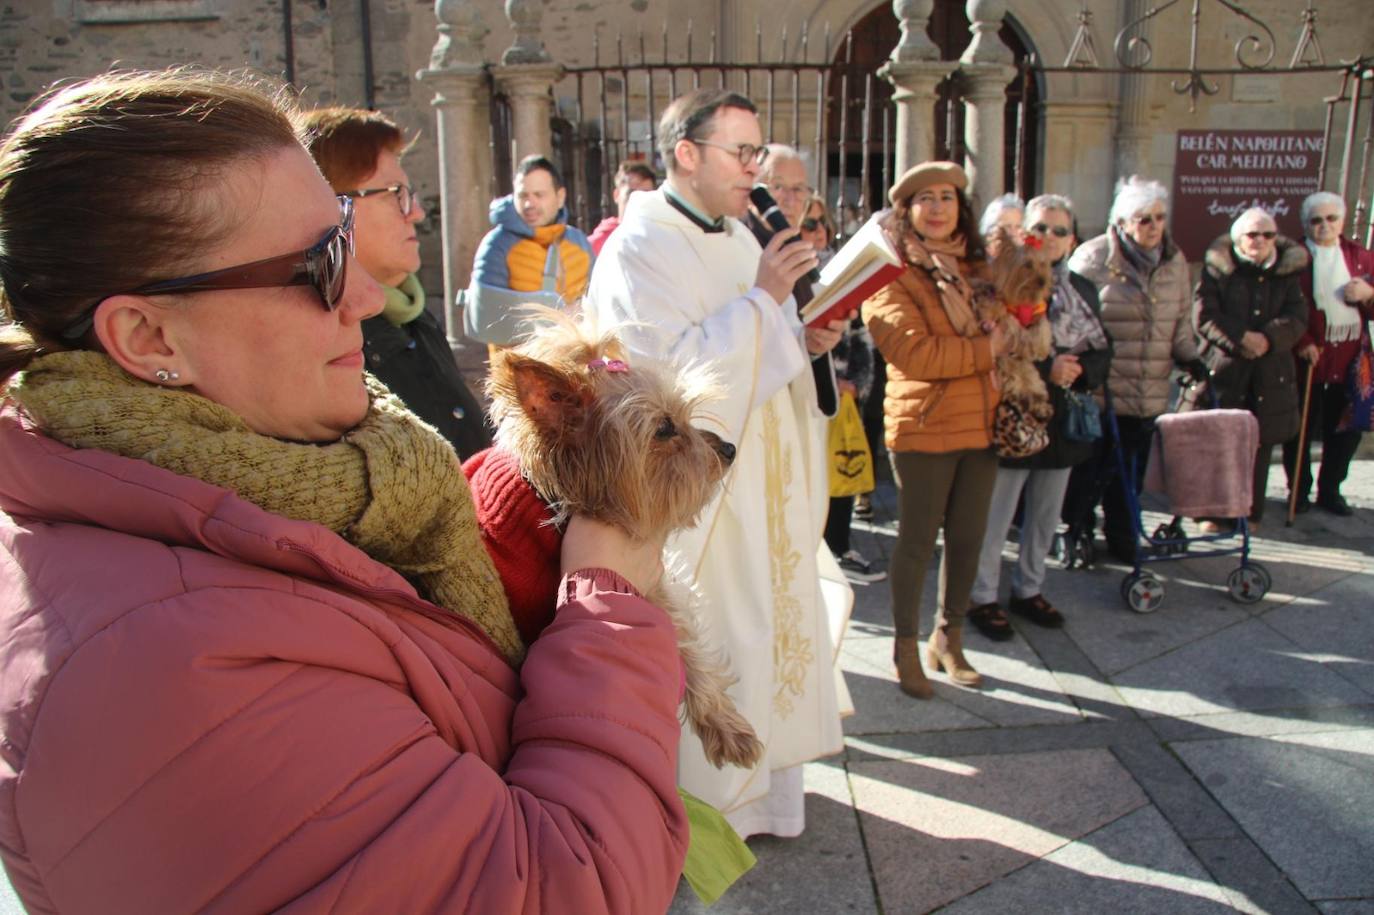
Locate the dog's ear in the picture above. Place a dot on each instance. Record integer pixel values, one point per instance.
(555, 402)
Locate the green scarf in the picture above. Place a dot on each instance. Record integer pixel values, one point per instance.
(405, 302)
(391, 486)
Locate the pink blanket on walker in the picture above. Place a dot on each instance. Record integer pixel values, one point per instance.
(1203, 462)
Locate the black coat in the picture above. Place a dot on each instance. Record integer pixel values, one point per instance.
(415, 362)
(1062, 451)
(1235, 296)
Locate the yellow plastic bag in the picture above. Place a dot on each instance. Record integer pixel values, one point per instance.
(851, 463)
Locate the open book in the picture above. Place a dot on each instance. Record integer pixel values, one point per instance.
(864, 265)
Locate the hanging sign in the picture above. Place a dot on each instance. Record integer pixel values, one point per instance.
(1219, 174)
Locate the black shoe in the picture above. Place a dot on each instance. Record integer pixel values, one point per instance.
(1303, 507)
(1336, 505)
(1038, 610)
(991, 621)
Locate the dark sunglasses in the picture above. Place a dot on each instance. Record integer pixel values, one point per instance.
(810, 225)
(324, 266)
(1267, 236)
(1149, 219)
(405, 195)
(1057, 231)
(1329, 217)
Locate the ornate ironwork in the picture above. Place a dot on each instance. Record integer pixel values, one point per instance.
(1254, 52)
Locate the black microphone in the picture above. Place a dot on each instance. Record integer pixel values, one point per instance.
(769, 212)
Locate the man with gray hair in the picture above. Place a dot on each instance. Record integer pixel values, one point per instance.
(1143, 282)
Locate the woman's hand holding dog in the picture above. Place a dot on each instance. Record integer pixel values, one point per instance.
(1065, 370)
(589, 544)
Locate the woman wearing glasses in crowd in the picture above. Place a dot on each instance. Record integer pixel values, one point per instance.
(255, 654)
(938, 411)
(359, 153)
(1250, 311)
(1342, 303)
(1143, 283)
(1078, 361)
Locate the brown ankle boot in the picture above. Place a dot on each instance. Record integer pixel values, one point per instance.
(945, 651)
(910, 677)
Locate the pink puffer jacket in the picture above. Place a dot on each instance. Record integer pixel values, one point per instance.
(204, 706)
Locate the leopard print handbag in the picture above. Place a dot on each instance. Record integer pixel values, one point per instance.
(1018, 430)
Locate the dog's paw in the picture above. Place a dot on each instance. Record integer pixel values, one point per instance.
(728, 738)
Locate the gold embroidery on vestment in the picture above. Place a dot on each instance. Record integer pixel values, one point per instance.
(792, 652)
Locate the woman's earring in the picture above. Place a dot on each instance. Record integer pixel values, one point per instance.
(163, 376)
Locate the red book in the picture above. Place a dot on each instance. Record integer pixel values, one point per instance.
(864, 265)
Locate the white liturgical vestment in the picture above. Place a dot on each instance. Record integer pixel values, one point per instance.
(757, 548)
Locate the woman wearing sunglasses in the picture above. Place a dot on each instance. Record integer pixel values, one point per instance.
(255, 653)
(1338, 286)
(1250, 312)
(1143, 283)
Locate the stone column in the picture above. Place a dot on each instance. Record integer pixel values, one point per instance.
(462, 107)
(529, 89)
(987, 68)
(526, 76)
(915, 70)
(1133, 136)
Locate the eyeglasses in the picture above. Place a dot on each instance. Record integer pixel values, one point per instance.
(1057, 231)
(324, 265)
(1267, 236)
(1149, 219)
(810, 225)
(1329, 217)
(745, 152)
(799, 190)
(405, 195)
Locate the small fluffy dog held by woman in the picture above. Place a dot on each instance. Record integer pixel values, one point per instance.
(1014, 296)
(578, 431)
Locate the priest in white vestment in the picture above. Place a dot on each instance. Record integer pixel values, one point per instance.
(685, 267)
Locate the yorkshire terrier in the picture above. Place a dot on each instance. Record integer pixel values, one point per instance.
(586, 433)
(1016, 295)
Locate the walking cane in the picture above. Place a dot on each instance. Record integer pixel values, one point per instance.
(1302, 447)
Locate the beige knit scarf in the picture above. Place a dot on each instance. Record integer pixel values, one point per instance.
(391, 487)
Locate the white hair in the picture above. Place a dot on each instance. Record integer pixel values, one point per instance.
(996, 209)
(1134, 194)
(781, 152)
(1251, 217)
(1046, 202)
(1321, 198)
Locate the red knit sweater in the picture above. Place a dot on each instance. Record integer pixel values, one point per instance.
(518, 533)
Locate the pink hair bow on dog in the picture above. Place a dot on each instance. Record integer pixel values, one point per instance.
(610, 365)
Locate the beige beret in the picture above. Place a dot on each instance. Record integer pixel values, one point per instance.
(920, 177)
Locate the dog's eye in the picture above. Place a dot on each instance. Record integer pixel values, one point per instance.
(665, 430)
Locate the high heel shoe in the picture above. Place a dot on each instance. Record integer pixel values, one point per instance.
(945, 652)
(911, 678)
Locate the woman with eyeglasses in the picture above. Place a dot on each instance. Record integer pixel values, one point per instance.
(1078, 362)
(1338, 287)
(937, 409)
(1250, 311)
(1144, 286)
(256, 656)
(359, 153)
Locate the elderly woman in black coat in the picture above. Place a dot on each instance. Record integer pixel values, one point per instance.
(1249, 311)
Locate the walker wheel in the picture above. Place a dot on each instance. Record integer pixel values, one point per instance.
(1142, 592)
(1249, 583)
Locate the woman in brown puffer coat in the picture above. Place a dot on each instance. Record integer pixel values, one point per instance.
(1250, 311)
(938, 410)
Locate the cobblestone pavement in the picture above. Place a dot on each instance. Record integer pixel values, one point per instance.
(1207, 757)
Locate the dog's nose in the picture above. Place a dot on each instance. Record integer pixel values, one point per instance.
(726, 451)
